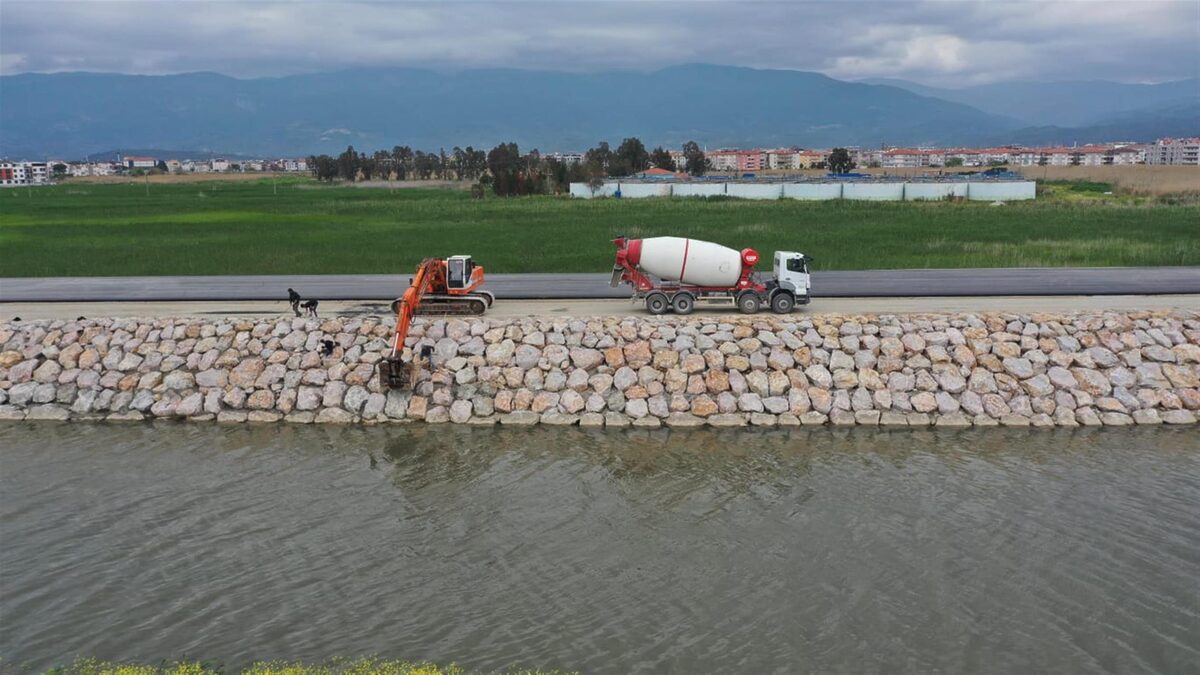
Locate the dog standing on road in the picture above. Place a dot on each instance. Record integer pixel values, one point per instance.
(309, 307)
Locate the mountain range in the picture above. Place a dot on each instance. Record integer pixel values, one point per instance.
(73, 114)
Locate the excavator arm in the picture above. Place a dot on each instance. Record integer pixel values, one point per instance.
(393, 371)
(431, 292)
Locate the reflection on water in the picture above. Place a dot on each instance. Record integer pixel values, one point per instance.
(821, 550)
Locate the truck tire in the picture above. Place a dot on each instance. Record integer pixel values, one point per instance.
(748, 303)
(683, 303)
(657, 303)
(783, 303)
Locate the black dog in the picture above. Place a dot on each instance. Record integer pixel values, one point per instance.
(309, 307)
(327, 347)
(294, 301)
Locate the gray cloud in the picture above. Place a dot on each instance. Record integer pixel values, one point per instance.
(936, 42)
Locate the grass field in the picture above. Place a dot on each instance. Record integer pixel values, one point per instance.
(295, 227)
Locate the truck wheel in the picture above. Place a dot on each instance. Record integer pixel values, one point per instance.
(683, 303)
(782, 303)
(657, 303)
(748, 303)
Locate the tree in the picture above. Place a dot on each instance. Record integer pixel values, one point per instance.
(402, 161)
(630, 158)
(161, 166)
(694, 161)
(598, 158)
(59, 169)
(382, 160)
(323, 167)
(347, 164)
(662, 159)
(839, 161)
(954, 161)
(504, 164)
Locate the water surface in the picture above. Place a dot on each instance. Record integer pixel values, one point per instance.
(834, 551)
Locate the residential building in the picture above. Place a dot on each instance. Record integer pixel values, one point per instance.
(38, 173)
(564, 157)
(1126, 155)
(751, 160)
(905, 158)
(12, 174)
(810, 159)
(1185, 151)
(781, 158)
(219, 165)
(723, 160)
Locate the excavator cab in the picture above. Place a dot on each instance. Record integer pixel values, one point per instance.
(458, 271)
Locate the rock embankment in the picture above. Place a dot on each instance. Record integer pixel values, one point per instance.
(952, 370)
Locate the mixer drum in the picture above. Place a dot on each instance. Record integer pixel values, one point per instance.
(689, 261)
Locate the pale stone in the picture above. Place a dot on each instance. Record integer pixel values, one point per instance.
(47, 412)
(924, 402)
(520, 418)
(952, 419)
(615, 419)
(355, 398)
(727, 420)
(1178, 417)
(334, 416)
(1019, 368)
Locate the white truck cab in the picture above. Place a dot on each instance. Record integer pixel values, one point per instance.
(791, 274)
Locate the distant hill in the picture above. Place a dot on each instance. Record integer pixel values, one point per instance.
(158, 153)
(1144, 125)
(71, 114)
(1064, 104)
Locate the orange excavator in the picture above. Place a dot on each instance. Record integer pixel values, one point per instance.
(449, 286)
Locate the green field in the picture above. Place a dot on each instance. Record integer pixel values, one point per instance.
(304, 228)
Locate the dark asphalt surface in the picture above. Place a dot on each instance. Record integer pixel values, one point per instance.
(869, 283)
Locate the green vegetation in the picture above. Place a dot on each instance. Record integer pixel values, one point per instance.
(362, 666)
(300, 227)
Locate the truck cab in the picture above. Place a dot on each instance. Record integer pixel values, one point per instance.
(791, 274)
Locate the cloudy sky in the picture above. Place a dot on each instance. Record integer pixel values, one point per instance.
(944, 42)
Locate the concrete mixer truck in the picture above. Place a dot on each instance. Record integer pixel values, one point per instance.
(673, 274)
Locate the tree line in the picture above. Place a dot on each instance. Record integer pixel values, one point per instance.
(505, 169)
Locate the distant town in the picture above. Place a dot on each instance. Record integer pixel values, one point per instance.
(1164, 151)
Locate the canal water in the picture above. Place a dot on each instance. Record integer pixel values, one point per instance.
(855, 551)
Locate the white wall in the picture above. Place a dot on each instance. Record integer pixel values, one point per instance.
(812, 190)
(634, 190)
(754, 190)
(933, 191)
(698, 189)
(884, 191)
(981, 191)
(1002, 191)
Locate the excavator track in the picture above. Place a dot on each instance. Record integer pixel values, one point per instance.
(471, 304)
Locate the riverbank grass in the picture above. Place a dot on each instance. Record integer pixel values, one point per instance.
(295, 226)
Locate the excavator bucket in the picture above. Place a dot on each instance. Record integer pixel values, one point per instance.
(397, 374)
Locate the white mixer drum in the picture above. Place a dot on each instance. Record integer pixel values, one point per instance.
(689, 261)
